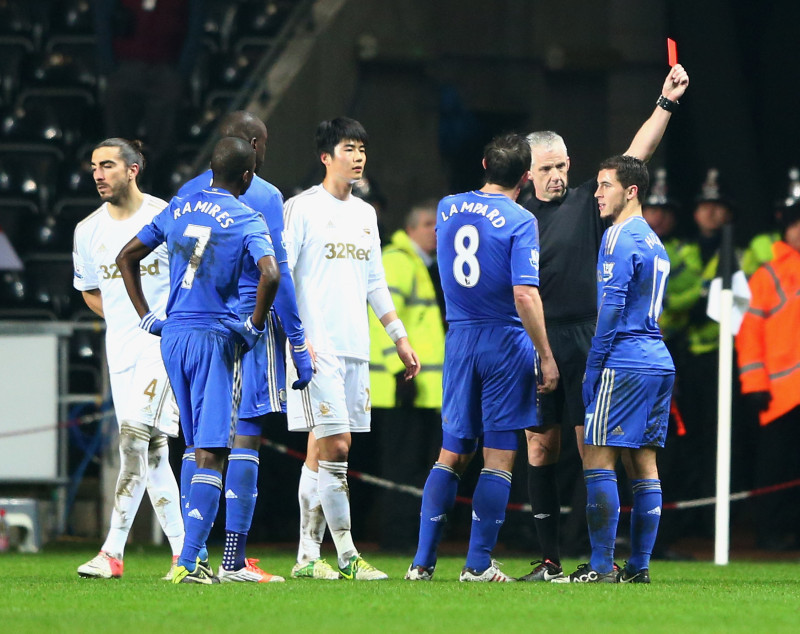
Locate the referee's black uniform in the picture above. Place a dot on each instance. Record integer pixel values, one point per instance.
(570, 232)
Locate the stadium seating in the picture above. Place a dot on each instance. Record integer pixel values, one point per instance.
(17, 216)
(49, 280)
(51, 116)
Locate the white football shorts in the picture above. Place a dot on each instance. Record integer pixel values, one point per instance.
(142, 393)
(335, 402)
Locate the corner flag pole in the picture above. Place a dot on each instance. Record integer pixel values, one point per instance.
(724, 389)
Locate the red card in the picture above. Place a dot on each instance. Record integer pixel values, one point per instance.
(672, 51)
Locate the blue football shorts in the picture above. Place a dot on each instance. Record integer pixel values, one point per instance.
(489, 381)
(263, 378)
(204, 367)
(630, 409)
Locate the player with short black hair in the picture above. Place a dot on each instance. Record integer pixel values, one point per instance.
(571, 231)
(209, 236)
(488, 255)
(263, 367)
(334, 254)
(627, 385)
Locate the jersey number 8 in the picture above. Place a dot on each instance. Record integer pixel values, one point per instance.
(466, 268)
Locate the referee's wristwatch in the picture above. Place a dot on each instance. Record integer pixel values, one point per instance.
(667, 104)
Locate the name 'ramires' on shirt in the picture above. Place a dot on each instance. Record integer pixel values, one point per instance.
(206, 207)
(202, 288)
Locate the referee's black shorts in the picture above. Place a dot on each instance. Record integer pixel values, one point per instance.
(570, 343)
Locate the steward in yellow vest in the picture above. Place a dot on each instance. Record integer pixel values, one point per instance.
(414, 299)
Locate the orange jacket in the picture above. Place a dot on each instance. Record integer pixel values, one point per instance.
(768, 343)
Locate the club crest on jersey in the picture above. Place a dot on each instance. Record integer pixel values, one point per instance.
(324, 408)
(534, 258)
(608, 269)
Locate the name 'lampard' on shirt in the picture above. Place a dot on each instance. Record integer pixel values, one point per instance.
(224, 219)
(494, 216)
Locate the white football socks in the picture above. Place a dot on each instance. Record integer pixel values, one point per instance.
(163, 491)
(312, 519)
(131, 483)
(335, 497)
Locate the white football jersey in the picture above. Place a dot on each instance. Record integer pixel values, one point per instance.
(97, 242)
(334, 253)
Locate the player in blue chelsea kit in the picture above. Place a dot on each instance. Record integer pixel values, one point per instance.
(263, 367)
(629, 376)
(488, 254)
(209, 236)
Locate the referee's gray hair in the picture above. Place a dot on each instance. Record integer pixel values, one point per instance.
(546, 139)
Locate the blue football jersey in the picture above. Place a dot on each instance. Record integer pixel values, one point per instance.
(632, 273)
(266, 199)
(486, 244)
(209, 236)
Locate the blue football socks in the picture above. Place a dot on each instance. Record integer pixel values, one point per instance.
(645, 518)
(241, 491)
(602, 515)
(188, 469)
(203, 506)
(488, 514)
(438, 498)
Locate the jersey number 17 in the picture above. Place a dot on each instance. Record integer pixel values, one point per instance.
(660, 275)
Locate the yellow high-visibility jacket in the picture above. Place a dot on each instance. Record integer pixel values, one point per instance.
(688, 286)
(415, 301)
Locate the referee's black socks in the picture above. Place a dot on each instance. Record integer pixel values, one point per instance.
(546, 508)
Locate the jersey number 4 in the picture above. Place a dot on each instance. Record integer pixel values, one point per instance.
(203, 235)
(466, 268)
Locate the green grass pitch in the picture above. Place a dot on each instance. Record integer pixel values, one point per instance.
(43, 593)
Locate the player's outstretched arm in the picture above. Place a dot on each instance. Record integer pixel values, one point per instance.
(649, 135)
(531, 312)
(128, 263)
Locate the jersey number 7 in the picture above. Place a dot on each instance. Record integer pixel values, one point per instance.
(203, 235)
